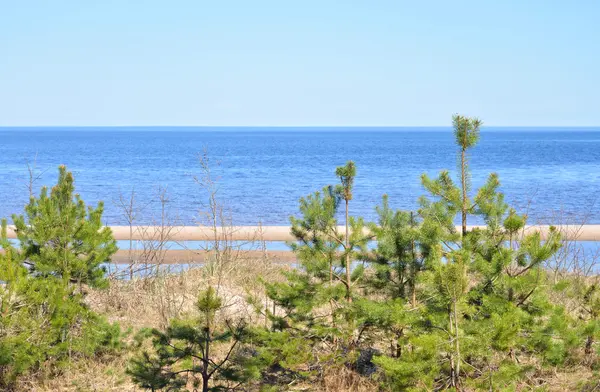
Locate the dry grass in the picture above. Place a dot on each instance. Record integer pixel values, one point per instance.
(342, 379)
(153, 301)
(106, 374)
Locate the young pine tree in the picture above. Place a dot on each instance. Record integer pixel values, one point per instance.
(59, 236)
(346, 175)
(483, 291)
(324, 252)
(313, 304)
(44, 321)
(399, 255)
(200, 352)
(466, 131)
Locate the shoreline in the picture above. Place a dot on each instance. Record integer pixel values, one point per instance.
(282, 233)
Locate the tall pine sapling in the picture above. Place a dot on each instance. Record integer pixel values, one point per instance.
(315, 233)
(346, 175)
(59, 236)
(466, 131)
(483, 300)
(504, 265)
(453, 198)
(312, 305)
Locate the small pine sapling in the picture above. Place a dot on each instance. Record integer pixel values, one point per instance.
(196, 353)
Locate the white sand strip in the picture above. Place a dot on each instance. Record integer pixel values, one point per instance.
(282, 233)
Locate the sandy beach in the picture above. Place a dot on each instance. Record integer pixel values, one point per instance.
(282, 233)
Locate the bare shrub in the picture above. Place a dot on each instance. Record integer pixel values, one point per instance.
(225, 257)
(155, 288)
(131, 211)
(34, 174)
(575, 257)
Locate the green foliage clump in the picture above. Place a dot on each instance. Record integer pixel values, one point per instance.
(59, 236)
(432, 305)
(196, 352)
(312, 308)
(44, 321)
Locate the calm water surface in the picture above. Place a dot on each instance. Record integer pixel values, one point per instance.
(264, 171)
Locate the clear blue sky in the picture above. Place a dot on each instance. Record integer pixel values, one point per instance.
(220, 62)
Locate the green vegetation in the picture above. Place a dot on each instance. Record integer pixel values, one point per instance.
(183, 355)
(425, 307)
(45, 322)
(439, 308)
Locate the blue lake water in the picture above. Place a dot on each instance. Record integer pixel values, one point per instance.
(264, 171)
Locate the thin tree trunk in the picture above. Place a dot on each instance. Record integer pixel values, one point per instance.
(331, 302)
(588, 345)
(456, 345)
(348, 282)
(464, 191)
(413, 272)
(204, 383)
(452, 354)
(399, 335)
(206, 356)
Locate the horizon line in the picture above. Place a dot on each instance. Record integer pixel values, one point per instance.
(290, 126)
